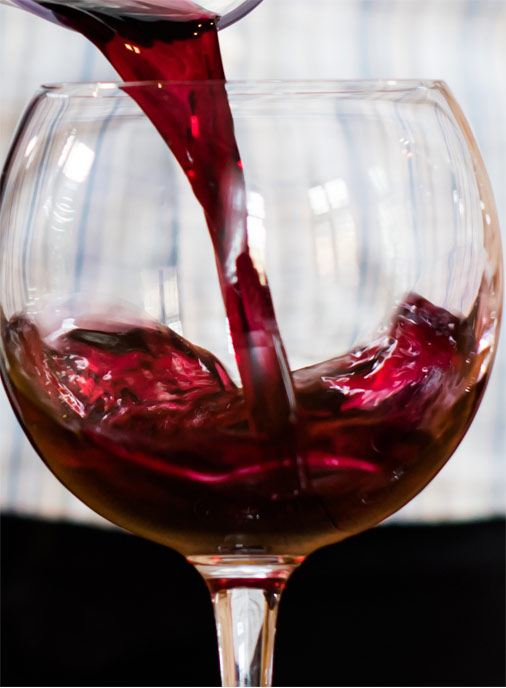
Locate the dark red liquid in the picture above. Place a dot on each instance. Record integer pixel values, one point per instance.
(150, 430)
(196, 123)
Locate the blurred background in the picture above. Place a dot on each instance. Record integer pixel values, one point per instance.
(424, 595)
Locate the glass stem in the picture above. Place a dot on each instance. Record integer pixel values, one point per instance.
(245, 592)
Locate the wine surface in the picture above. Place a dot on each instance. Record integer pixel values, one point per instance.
(151, 432)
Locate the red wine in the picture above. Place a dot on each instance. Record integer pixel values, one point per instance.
(151, 431)
(177, 40)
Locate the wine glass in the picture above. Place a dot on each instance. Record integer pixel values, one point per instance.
(371, 227)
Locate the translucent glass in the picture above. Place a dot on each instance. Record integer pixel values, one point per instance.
(366, 201)
(228, 11)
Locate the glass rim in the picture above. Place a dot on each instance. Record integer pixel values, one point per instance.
(97, 89)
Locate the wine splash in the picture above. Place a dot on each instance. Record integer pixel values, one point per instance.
(151, 432)
(178, 41)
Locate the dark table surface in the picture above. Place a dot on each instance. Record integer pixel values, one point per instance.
(397, 606)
